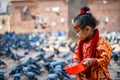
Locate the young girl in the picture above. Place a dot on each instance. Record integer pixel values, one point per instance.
(93, 50)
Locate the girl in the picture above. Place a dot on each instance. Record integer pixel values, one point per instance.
(93, 50)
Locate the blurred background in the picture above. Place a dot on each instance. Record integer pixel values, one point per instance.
(37, 38)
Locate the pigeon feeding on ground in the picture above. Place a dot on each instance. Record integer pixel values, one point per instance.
(26, 51)
(2, 77)
(17, 76)
(16, 57)
(30, 75)
(2, 63)
(52, 77)
(56, 51)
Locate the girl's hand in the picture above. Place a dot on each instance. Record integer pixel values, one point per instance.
(75, 60)
(89, 61)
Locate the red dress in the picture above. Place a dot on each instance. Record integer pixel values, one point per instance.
(98, 71)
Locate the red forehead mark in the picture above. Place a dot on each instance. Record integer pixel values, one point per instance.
(76, 28)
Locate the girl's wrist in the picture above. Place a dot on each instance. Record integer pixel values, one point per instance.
(89, 61)
(74, 60)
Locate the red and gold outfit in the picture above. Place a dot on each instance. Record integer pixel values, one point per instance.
(100, 51)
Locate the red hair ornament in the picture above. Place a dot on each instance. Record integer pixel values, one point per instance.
(82, 11)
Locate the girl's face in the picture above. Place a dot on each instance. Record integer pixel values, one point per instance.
(82, 34)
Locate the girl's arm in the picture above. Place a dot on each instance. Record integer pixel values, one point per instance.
(104, 52)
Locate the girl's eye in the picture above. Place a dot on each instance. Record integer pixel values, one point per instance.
(77, 31)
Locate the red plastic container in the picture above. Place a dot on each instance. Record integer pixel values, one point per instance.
(74, 68)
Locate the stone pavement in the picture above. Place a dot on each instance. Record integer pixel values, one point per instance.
(113, 67)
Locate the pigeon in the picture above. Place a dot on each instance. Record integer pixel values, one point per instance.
(55, 63)
(65, 55)
(50, 56)
(2, 75)
(37, 49)
(115, 56)
(56, 51)
(2, 52)
(38, 58)
(8, 52)
(41, 65)
(16, 56)
(2, 62)
(52, 77)
(26, 51)
(28, 61)
(47, 60)
(16, 76)
(15, 70)
(30, 75)
(34, 68)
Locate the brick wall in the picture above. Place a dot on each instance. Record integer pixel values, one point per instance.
(41, 8)
(110, 10)
(67, 11)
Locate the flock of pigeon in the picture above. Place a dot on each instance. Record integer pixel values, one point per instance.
(114, 38)
(32, 67)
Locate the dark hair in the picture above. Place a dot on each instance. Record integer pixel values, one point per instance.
(85, 18)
